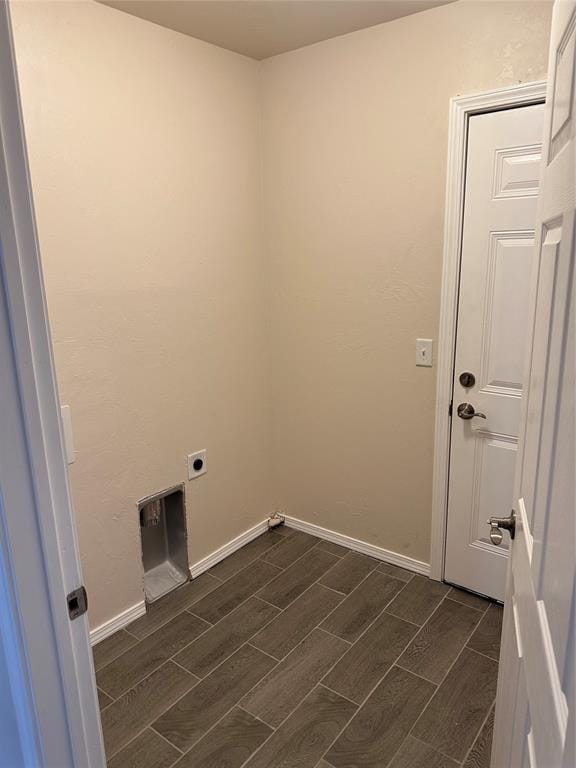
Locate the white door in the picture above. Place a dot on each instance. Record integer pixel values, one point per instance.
(534, 725)
(48, 705)
(498, 246)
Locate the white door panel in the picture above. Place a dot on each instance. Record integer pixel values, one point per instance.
(50, 665)
(498, 245)
(534, 723)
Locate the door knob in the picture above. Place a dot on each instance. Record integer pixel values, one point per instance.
(497, 523)
(466, 411)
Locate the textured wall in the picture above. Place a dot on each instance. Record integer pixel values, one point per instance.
(168, 311)
(144, 154)
(355, 138)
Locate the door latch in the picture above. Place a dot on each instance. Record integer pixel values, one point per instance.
(77, 602)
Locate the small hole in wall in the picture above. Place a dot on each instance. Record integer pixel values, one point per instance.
(198, 464)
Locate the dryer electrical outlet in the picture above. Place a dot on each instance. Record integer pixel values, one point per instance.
(197, 464)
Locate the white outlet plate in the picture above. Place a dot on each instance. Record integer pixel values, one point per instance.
(424, 353)
(196, 458)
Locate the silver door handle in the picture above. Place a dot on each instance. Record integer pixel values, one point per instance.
(466, 411)
(497, 523)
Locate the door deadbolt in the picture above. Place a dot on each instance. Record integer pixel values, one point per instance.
(467, 379)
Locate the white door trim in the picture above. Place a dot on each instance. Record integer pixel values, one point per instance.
(461, 108)
(33, 366)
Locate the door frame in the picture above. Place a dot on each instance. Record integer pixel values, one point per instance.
(50, 519)
(461, 109)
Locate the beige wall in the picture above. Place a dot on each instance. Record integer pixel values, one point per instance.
(169, 312)
(355, 136)
(144, 151)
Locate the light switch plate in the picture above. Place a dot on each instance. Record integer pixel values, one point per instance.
(424, 353)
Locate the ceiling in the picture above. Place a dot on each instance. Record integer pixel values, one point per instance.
(262, 28)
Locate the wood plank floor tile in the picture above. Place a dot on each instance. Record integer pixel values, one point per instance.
(348, 572)
(290, 627)
(432, 651)
(303, 738)
(189, 719)
(149, 654)
(362, 606)
(229, 744)
(282, 690)
(416, 754)
(231, 593)
(486, 638)
(382, 723)
(453, 717)
(137, 708)
(334, 549)
(219, 642)
(165, 609)
(347, 657)
(368, 660)
(246, 555)
(418, 599)
(103, 699)
(468, 598)
(479, 755)
(293, 581)
(148, 750)
(112, 647)
(393, 570)
(291, 549)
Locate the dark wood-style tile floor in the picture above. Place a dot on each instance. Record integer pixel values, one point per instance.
(297, 653)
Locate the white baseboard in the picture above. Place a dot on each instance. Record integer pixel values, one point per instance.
(118, 622)
(131, 614)
(227, 549)
(403, 561)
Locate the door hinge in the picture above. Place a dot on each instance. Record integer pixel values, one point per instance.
(450, 409)
(77, 602)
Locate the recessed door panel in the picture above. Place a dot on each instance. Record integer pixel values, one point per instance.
(505, 314)
(517, 171)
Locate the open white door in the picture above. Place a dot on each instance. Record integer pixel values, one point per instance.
(534, 724)
(48, 705)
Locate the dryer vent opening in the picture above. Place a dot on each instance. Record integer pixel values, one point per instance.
(164, 542)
